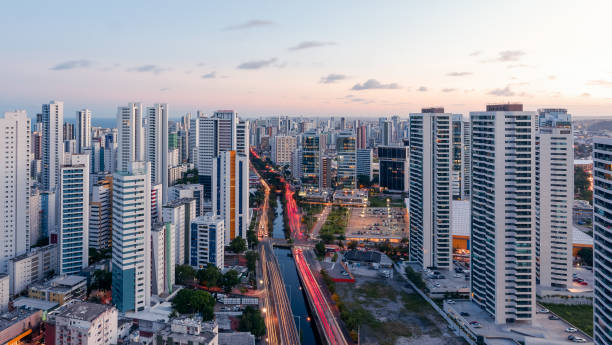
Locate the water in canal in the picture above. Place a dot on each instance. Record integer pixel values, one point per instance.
(308, 333)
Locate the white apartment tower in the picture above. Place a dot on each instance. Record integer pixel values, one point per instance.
(282, 147)
(503, 216)
(130, 137)
(602, 241)
(180, 213)
(83, 130)
(131, 258)
(74, 214)
(162, 258)
(52, 143)
(207, 241)
(157, 146)
(230, 193)
(466, 161)
(555, 198)
(14, 186)
(430, 188)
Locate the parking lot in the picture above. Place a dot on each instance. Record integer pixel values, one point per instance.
(378, 223)
(586, 276)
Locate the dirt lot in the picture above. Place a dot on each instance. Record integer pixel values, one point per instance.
(394, 315)
(373, 222)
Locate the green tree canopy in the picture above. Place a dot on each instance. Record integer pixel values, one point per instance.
(238, 245)
(188, 301)
(586, 254)
(229, 280)
(252, 321)
(251, 257)
(209, 276)
(184, 274)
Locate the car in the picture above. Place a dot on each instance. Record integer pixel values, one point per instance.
(458, 275)
(583, 283)
(579, 340)
(473, 322)
(437, 285)
(464, 314)
(543, 311)
(571, 337)
(450, 301)
(571, 330)
(553, 317)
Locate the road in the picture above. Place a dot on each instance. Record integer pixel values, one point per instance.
(278, 313)
(320, 221)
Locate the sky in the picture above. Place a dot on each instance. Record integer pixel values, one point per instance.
(306, 58)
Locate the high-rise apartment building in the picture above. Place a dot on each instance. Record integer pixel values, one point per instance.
(362, 137)
(393, 168)
(157, 146)
(554, 198)
(282, 147)
(192, 191)
(36, 265)
(387, 132)
(347, 160)
(504, 212)
(83, 323)
(242, 137)
(430, 188)
(311, 156)
(52, 144)
(364, 163)
(325, 176)
(101, 213)
(180, 213)
(83, 129)
(207, 241)
(74, 214)
(162, 258)
(14, 186)
(230, 197)
(457, 156)
(602, 245)
(466, 161)
(194, 138)
(130, 136)
(131, 258)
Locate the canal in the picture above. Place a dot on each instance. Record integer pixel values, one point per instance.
(299, 306)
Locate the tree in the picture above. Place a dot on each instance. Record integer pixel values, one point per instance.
(582, 185)
(238, 245)
(251, 257)
(184, 274)
(188, 301)
(252, 237)
(229, 280)
(320, 248)
(252, 321)
(101, 280)
(211, 276)
(352, 245)
(586, 255)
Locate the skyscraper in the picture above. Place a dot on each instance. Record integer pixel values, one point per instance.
(162, 258)
(157, 146)
(83, 130)
(311, 153)
(347, 160)
(282, 147)
(457, 156)
(180, 213)
(230, 197)
(466, 161)
(14, 186)
(602, 247)
(430, 188)
(52, 145)
(131, 258)
(101, 213)
(362, 137)
(387, 133)
(364, 163)
(74, 214)
(130, 137)
(555, 198)
(394, 168)
(503, 212)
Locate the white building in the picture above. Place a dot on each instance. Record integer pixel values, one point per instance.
(194, 137)
(162, 258)
(282, 147)
(180, 213)
(52, 143)
(347, 160)
(73, 236)
(242, 137)
(83, 129)
(14, 186)
(230, 193)
(4, 292)
(364, 163)
(555, 199)
(457, 156)
(157, 146)
(430, 189)
(207, 241)
(296, 163)
(195, 191)
(35, 216)
(101, 214)
(130, 137)
(84, 323)
(38, 264)
(602, 248)
(466, 161)
(503, 212)
(131, 258)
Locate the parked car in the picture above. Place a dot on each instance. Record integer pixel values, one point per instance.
(543, 311)
(464, 314)
(571, 330)
(579, 340)
(553, 317)
(450, 301)
(571, 337)
(583, 283)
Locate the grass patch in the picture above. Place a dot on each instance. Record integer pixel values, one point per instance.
(580, 316)
(371, 290)
(335, 224)
(381, 201)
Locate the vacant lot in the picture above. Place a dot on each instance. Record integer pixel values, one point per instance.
(580, 316)
(391, 315)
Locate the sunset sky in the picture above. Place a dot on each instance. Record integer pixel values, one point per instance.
(342, 58)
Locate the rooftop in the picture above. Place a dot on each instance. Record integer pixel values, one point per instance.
(9, 319)
(236, 338)
(33, 303)
(83, 311)
(461, 218)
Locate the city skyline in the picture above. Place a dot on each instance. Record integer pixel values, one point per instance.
(307, 59)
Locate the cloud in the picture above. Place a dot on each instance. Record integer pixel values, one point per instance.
(72, 64)
(311, 44)
(552, 77)
(510, 55)
(332, 78)
(422, 89)
(458, 74)
(200, 64)
(164, 89)
(250, 24)
(506, 92)
(256, 64)
(147, 68)
(600, 82)
(585, 94)
(448, 90)
(375, 84)
(518, 65)
(210, 75)
(476, 53)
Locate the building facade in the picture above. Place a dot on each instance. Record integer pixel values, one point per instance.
(37, 264)
(101, 213)
(130, 136)
(207, 241)
(346, 155)
(84, 323)
(156, 143)
(230, 197)
(83, 129)
(311, 156)
(393, 168)
(162, 258)
(364, 163)
(282, 147)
